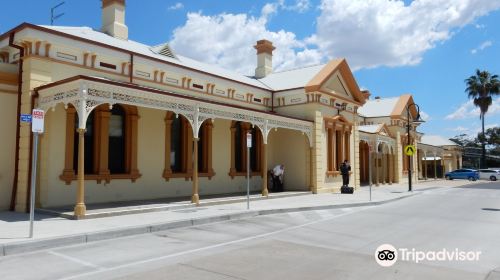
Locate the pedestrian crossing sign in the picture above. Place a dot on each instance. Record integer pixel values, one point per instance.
(410, 150)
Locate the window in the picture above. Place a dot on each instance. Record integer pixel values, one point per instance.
(107, 65)
(179, 148)
(338, 131)
(239, 131)
(110, 144)
(116, 132)
(89, 145)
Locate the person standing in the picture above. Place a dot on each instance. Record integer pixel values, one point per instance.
(277, 175)
(345, 167)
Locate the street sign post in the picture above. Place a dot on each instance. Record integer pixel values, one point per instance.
(410, 151)
(37, 120)
(249, 145)
(370, 169)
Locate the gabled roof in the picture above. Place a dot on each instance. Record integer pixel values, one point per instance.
(387, 107)
(328, 70)
(291, 79)
(375, 129)
(436, 140)
(403, 102)
(307, 77)
(382, 107)
(89, 35)
(337, 118)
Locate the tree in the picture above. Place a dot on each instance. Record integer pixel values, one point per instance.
(492, 138)
(482, 87)
(465, 140)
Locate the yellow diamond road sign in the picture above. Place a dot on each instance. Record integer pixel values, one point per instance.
(410, 150)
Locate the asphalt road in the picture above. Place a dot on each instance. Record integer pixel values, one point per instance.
(326, 244)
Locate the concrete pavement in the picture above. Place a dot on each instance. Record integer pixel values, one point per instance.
(318, 244)
(52, 232)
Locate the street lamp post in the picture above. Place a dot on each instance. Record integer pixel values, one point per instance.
(417, 121)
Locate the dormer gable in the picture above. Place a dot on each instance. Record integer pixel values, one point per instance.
(336, 78)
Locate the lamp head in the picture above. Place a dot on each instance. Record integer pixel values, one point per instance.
(418, 119)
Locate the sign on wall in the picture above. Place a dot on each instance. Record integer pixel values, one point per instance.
(249, 140)
(25, 118)
(38, 117)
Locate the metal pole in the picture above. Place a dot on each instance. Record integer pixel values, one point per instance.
(409, 157)
(370, 171)
(248, 178)
(33, 181)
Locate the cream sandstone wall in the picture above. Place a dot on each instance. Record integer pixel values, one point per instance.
(151, 142)
(8, 107)
(290, 148)
(35, 74)
(334, 183)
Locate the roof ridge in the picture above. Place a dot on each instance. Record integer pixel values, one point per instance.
(385, 98)
(145, 50)
(303, 67)
(67, 27)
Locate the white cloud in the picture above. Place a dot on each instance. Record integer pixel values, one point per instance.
(484, 45)
(176, 6)
(300, 6)
(459, 129)
(480, 26)
(468, 110)
(425, 116)
(472, 129)
(371, 33)
(228, 39)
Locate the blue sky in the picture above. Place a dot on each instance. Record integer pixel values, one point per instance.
(426, 48)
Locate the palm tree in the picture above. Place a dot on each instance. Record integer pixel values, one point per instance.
(482, 87)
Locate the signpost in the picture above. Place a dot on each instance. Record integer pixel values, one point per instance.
(410, 151)
(370, 169)
(249, 145)
(37, 119)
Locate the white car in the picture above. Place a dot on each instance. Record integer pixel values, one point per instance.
(489, 174)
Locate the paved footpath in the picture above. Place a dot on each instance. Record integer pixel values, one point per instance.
(52, 231)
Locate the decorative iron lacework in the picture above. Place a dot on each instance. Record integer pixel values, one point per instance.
(85, 96)
(378, 139)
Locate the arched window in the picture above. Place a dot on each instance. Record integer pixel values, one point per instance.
(110, 144)
(239, 131)
(179, 148)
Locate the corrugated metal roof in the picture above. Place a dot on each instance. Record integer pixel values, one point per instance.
(436, 140)
(290, 79)
(372, 128)
(382, 107)
(97, 36)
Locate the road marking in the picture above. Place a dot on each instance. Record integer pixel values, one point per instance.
(127, 265)
(82, 262)
(325, 213)
(296, 215)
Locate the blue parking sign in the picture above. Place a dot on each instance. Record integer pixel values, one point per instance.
(26, 118)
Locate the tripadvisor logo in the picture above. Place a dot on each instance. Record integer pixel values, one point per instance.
(386, 255)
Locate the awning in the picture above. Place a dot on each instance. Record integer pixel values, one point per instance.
(431, 158)
(86, 93)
